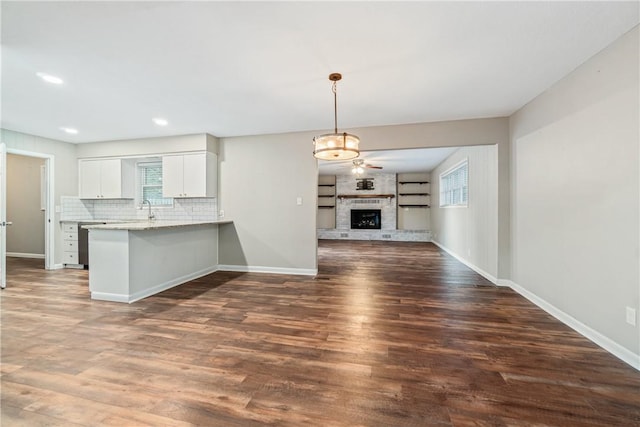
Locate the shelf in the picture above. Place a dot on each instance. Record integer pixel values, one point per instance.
(326, 195)
(366, 196)
(413, 182)
(326, 185)
(413, 206)
(326, 207)
(413, 194)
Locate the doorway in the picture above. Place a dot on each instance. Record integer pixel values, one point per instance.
(25, 207)
(29, 208)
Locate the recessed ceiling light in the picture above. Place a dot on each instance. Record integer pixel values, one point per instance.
(72, 131)
(50, 79)
(160, 122)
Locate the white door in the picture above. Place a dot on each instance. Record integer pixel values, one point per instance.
(3, 215)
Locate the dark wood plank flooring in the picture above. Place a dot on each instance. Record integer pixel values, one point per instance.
(387, 334)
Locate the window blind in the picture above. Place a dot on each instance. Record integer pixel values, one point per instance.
(150, 184)
(454, 185)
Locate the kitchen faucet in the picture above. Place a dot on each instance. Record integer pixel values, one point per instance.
(151, 215)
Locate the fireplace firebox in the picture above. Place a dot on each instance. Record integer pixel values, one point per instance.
(365, 219)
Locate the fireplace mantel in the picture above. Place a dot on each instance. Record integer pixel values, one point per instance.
(366, 196)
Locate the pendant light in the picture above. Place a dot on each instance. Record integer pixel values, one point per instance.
(336, 146)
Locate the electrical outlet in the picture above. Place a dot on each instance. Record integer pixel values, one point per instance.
(221, 213)
(631, 316)
(299, 201)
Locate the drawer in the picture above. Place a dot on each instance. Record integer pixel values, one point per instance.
(70, 257)
(70, 227)
(71, 246)
(71, 236)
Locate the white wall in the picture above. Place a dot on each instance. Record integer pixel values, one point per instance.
(470, 233)
(455, 133)
(261, 178)
(575, 204)
(26, 235)
(65, 171)
(149, 146)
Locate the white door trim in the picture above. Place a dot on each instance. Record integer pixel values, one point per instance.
(3, 215)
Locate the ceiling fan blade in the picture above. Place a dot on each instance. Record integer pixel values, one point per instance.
(373, 167)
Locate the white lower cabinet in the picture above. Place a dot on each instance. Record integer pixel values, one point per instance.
(70, 236)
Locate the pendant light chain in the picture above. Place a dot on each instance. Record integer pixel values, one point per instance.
(334, 89)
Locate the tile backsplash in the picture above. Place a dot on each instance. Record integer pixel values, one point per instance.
(75, 209)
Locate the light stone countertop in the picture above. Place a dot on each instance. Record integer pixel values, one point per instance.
(151, 225)
(99, 221)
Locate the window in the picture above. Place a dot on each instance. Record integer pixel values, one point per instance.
(454, 185)
(150, 184)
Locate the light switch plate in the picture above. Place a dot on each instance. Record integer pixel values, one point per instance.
(631, 316)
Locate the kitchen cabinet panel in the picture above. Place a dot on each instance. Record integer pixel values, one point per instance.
(190, 175)
(195, 174)
(107, 179)
(172, 180)
(90, 179)
(111, 179)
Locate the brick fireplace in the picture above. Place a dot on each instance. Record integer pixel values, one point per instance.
(382, 198)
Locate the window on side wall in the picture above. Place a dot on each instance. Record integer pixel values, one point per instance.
(150, 184)
(454, 185)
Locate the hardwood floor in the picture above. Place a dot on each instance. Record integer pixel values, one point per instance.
(387, 334)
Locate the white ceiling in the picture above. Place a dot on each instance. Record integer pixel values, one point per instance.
(392, 161)
(242, 68)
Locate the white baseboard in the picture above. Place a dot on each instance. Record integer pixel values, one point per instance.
(24, 255)
(270, 270)
(606, 343)
(57, 267)
(505, 282)
(475, 268)
(154, 290)
(104, 296)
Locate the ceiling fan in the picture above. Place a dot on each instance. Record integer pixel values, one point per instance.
(359, 166)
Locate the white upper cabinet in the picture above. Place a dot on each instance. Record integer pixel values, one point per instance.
(107, 179)
(190, 175)
(172, 176)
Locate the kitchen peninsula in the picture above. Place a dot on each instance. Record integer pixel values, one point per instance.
(134, 260)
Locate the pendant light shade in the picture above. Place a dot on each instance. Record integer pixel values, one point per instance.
(336, 146)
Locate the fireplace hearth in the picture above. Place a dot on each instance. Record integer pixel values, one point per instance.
(365, 219)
